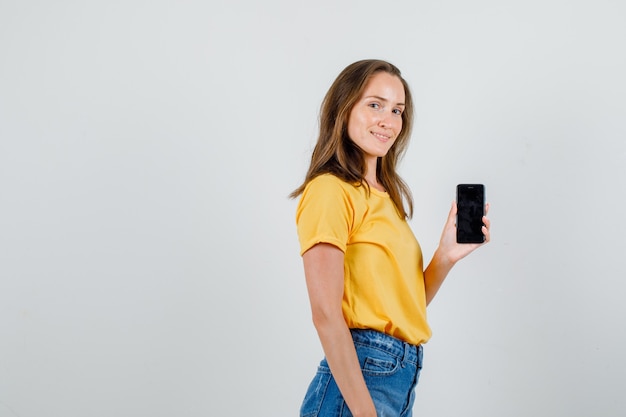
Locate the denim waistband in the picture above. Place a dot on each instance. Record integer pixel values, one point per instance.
(406, 352)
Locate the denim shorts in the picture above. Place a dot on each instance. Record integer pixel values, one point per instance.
(391, 370)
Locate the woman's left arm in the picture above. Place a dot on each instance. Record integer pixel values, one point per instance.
(449, 252)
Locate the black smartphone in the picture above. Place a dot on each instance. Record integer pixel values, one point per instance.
(470, 202)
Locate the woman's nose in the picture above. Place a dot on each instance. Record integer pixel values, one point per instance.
(386, 120)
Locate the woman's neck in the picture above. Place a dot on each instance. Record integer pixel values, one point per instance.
(370, 175)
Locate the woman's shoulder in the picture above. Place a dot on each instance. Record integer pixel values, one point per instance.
(329, 195)
(330, 183)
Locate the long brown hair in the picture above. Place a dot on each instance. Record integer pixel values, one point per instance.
(337, 154)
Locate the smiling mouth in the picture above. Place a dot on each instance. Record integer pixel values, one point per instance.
(380, 136)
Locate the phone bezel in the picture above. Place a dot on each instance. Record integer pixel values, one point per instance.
(476, 236)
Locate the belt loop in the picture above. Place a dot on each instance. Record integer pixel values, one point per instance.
(420, 356)
(406, 354)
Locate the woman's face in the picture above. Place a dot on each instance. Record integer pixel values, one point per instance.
(376, 119)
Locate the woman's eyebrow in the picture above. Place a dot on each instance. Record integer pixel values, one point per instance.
(385, 100)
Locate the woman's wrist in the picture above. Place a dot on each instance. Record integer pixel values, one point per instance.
(443, 260)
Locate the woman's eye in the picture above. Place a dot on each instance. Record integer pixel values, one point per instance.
(397, 111)
(375, 105)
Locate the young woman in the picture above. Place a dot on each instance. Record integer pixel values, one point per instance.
(363, 266)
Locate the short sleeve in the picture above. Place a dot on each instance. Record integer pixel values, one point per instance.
(325, 213)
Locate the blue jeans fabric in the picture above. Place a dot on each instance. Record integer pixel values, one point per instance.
(391, 370)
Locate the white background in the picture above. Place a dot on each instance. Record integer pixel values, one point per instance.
(148, 255)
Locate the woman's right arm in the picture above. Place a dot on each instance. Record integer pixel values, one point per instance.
(324, 272)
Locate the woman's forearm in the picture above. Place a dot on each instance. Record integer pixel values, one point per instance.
(435, 274)
(344, 364)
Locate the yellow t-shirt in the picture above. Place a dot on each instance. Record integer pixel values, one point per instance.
(384, 278)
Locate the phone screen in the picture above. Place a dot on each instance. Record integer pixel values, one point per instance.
(470, 200)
